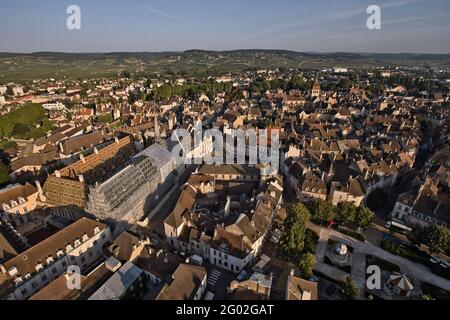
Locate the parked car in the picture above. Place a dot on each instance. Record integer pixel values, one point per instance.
(435, 259)
(332, 224)
(195, 259)
(241, 275)
(445, 265)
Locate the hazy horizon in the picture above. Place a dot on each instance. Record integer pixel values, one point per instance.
(229, 50)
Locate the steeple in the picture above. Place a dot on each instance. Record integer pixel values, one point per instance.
(315, 91)
(156, 125)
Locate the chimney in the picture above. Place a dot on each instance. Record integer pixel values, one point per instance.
(116, 139)
(61, 147)
(95, 150)
(57, 174)
(81, 178)
(82, 158)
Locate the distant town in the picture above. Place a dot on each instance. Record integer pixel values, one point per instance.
(94, 204)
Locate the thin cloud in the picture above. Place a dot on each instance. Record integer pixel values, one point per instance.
(327, 18)
(159, 12)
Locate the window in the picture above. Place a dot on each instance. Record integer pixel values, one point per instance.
(44, 278)
(34, 285)
(91, 254)
(64, 264)
(83, 259)
(24, 292)
(225, 256)
(103, 236)
(54, 270)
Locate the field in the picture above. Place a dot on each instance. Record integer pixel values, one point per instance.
(42, 65)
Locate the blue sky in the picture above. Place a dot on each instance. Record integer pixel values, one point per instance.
(156, 25)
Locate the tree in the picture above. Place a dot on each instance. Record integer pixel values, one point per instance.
(306, 264)
(69, 116)
(293, 238)
(363, 217)
(437, 238)
(321, 209)
(377, 199)
(416, 235)
(346, 211)
(348, 290)
(311, 239)
(4, 175)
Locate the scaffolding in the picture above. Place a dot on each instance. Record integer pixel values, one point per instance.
(125, 195)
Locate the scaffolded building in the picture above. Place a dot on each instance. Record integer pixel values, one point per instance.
(126, 195)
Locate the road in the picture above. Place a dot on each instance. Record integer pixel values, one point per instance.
(361, 249)
(156, 223)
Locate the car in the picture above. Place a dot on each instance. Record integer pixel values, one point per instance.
(331, 289)
(241, 275)
(445, 265)
(435, 259)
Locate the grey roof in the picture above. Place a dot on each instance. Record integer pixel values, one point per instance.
(158, 155)
(262, 279)
(118, 284)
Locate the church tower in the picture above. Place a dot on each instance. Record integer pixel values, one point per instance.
(315, 91)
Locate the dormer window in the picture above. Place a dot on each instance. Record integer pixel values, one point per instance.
(85, 237)
(6, 207)
(69, 248)
(96, 230)
(60, 253)
(27, 276)
(21, 200)
(39, 267)
(12, 271)
(77, 242)
(49, 260)
(18, 280)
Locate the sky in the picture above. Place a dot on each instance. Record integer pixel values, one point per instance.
(415, 26)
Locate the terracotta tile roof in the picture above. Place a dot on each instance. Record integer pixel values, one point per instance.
(61, 191)
(186, 281)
